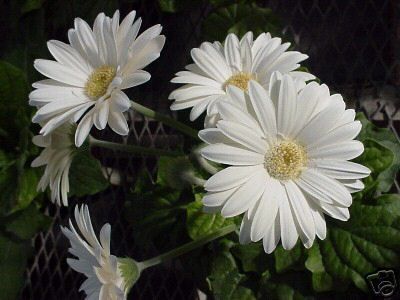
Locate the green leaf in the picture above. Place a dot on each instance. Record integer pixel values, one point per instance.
(173, 171)
(30, 5)
(239, 19)
(282, 291)
(18, 185)
(173, 6)
(199, 223)
(369, 241)
(13, 96)
(321, 280)
(27, 189)
(287, 259)
(225, 279)
(15, 248)
(391, 202)
(86, 177)
(157, 214)
(381, 155)
(252, 257)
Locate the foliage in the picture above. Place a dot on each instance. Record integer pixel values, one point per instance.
(16, 230)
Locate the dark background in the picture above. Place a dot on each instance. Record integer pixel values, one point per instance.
(354, 47)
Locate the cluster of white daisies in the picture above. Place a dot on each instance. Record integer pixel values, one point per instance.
(283, 140)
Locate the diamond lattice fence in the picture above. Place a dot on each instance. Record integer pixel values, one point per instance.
(353, 47)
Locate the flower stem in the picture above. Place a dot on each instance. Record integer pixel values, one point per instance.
(187, 247)
(165, 119)
(93, 142)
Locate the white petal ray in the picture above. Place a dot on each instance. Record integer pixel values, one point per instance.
(245, 195)
(342, 169)
(232, 53)
(233, 113)
(231, 155)
(243, 135)
(229, 178)
(326, 187)
(287, 105)
(301, 209)
(59, 72)
(264, 108)
(340, 151)
(214, 199)
(272, 236)
(288, 228)
(118, 123)
(340, 134)
(135, 79)
(267, 210)
(322, 123)
(83, 129)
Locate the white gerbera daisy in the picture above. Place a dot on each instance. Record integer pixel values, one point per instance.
(57, 157)
(234, 63)
(105, 279)
(288, 156)
(90, 72)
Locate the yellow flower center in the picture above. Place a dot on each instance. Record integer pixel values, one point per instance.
(241, 80)
(285, 160)
(98, 82)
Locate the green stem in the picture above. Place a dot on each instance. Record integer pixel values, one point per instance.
(187, 247)
(93, 142)
(165, 119)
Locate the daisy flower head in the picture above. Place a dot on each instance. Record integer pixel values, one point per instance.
(288, 162)
(86, 81)
(235, 62)
(106, 279)
(57, 156)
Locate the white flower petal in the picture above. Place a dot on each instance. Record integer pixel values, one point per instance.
(245, 227)
(340, 151)
(243, 135)
(342, 169)
(267, 210)
(322, 123)
(118, 123)
(232, 53)
(135, 79)
(289, 233)
(60, 72)
(214, 199)
(245, 195)
(263, 107)
(229, 178)
(231, 112)
(272, 236)
(340, 134)
(327, 188)
(337, 212)
(83, 129)
(230, 155)
(209, 66)
(67, 55)
(119, 101)
(286, 110)
(301, 209)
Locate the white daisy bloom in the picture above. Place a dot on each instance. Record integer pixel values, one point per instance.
(217, 66)
(90, 73)
(288, 158)
(105, 280)
(57, 157)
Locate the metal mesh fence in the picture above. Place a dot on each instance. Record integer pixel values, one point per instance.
(353, 47)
